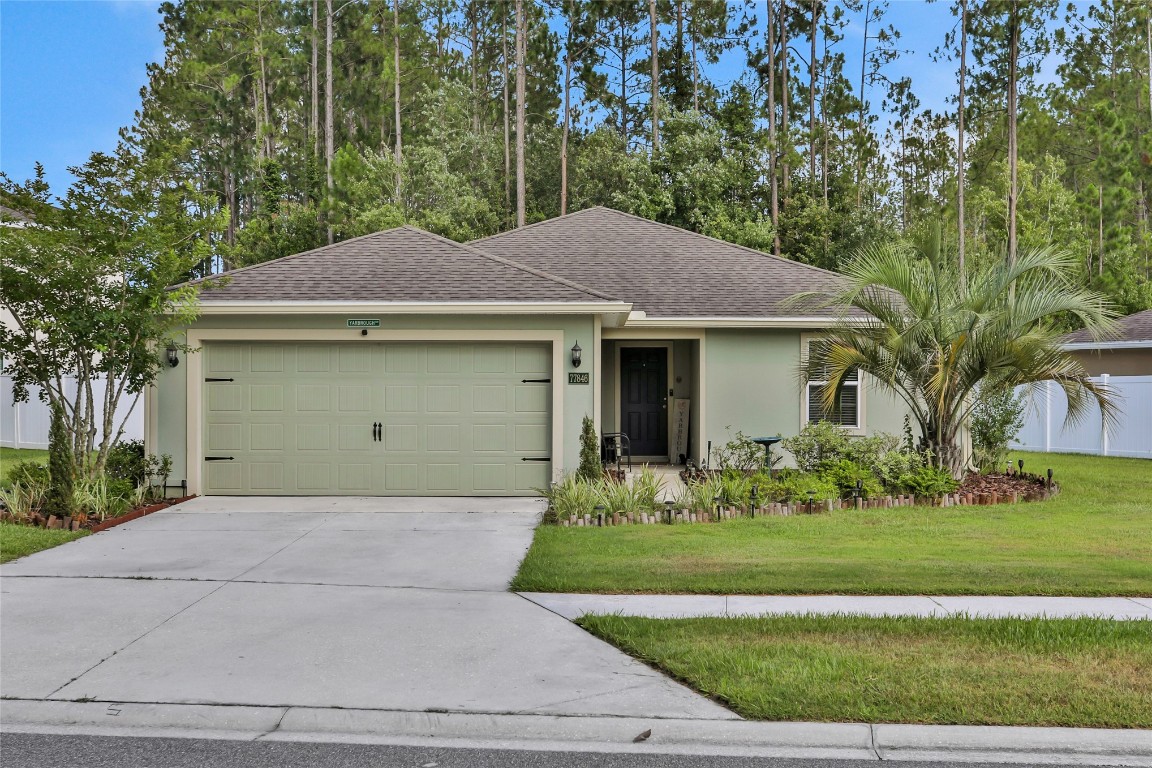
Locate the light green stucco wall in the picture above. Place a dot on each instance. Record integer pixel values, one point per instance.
(171, 392)
(752, 385)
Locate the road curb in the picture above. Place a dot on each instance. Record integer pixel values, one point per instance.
(1054, 746)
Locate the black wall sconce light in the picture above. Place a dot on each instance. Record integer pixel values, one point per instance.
(172, 357)
(576, 353)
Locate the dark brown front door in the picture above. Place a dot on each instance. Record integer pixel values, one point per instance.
(644, 399)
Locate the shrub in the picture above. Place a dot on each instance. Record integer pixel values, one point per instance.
(21, 500)
(818, 441)
(590, 468)
(740, 453)
(30, 474)
(845, 473)
(893, 465)
(792, 485)
(58, 500)
(929, 481)
(102, 498)
(127, 461)
(996, 419)
(701, 494)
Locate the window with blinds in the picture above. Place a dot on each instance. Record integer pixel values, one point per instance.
(845, 412)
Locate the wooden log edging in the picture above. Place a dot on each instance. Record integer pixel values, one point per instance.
(683, 516)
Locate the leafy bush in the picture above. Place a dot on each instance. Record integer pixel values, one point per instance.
(893, 465)
(792, 485)
(29, 474)
(625, 498)
(867, 451)
(701, 494)
(929, 481)
(740, 453)
(844, 474)
(58, 499)
(127, 461)
(818, 441)
(647, 488)
(996, 420)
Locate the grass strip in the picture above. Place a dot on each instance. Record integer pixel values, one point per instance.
(1035, 672)
(20, 540)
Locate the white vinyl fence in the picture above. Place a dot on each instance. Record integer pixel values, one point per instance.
(1044, 428)
(25, 425)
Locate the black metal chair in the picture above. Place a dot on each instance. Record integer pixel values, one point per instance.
(615, 447)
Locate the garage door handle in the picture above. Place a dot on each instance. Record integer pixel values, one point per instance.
(544, 458)
(211, 380)
(535, 381)
(376, 431)
(219, 458)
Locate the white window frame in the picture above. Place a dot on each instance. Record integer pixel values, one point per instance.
(860, 427)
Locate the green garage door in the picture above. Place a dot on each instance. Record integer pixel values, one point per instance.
(368, 419)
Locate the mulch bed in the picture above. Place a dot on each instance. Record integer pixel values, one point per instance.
(93, 525)
(1025, 486)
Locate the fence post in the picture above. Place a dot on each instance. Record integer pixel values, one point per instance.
(1103, 422)
(1047, 417)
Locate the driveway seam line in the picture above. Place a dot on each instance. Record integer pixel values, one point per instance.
(135, 640)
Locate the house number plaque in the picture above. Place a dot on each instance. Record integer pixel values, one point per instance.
(579, 378)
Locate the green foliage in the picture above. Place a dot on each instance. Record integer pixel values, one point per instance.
(61, 466)
(996, 420)
(740, 454)
(793, 486)
(101, 498)
(127, 462)
(571, 496)
(937, 336)
(590, 467)
(928, 481)
(29, 474)
(845, 473)
(818, 441)
(22, 499)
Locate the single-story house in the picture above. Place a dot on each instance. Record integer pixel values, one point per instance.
(402, 363)
(1129, 353)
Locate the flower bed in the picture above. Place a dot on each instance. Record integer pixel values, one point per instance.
(89, 523)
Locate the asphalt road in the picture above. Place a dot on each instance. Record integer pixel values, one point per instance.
(18, 750)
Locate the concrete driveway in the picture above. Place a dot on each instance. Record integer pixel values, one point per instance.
(380, 604)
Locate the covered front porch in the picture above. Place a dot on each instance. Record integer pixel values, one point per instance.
(651, 390)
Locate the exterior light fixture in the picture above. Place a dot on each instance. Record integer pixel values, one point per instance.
(171, 356)
(576, 352)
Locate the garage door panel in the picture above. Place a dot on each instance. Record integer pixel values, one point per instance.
(313, 437)
(266, 437)
(455, 419)
(266, 397)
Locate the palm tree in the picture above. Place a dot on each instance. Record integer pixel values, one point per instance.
(910, 322)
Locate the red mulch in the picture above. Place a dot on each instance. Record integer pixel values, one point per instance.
(1025, 485)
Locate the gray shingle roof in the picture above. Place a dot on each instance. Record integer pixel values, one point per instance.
(663, 270)
(1137, 327)
(403, 264)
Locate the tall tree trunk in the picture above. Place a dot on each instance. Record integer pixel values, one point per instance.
(1148, 48)
(812, 99)
(860, 128)
(678, 64)
(565, 129)
(961, 171)
(521, 44)
(328, 134)
(507, 116)
(623, 82)
(474, 64)
(784, 125)
(269, 145)
(655, 76)
(396, 98)
(1013, 160)
(773, 150)
(315, 78)
(695, 63)
(824, 132)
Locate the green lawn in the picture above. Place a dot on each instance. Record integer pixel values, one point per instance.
(1056, 672)
(20, 540)
(1094, 539)
(9, 457)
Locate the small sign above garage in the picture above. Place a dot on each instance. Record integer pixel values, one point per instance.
(363, 323)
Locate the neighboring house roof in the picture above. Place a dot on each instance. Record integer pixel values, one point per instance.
(665, 271)
(405, 265)
(9, 215)
(1133, 330)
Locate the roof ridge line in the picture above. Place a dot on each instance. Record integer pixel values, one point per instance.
(535, 224)
(522, 267)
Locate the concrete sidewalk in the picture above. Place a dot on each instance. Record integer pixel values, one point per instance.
(572, 606)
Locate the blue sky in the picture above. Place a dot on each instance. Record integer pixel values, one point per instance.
(71, 73)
